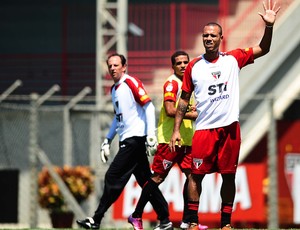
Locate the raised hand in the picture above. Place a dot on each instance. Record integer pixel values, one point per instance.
(270, 13)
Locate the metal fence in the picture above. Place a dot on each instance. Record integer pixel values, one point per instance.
(38, 131)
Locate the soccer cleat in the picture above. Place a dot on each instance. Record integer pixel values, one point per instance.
(227, 227)
(166, 226)
(185, 226)
(137, 223)
(202, 227)
(88, 223)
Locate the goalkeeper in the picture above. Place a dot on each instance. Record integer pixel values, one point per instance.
(164, 159)
(134, 121)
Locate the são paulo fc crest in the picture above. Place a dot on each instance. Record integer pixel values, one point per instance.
(167, 164)
(197, 162)
(216, 75)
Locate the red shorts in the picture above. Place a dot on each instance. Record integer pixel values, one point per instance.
(164, 160)
(216, 150)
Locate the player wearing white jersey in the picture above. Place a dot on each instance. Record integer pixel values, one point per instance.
(213, 77)
(134, 122)
(129, 98)
(216, 91)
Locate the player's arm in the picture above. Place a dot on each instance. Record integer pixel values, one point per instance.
(151, 140)
(181, 109)
(269, 18)
(170, 109)
(150, 118)
(180, 113)
(191, 113)
(112, 130)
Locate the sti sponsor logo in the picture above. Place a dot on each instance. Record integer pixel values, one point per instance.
(218, 89)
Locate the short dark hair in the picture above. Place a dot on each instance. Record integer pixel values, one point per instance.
(215, 24)
(123, 59)
(178, 53)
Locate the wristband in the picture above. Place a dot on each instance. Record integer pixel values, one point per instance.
(269, 26)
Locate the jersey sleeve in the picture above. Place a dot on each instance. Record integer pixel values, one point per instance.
(113, 129)
(243, 56)
(187, 83)
(138, 90)
(170, 90)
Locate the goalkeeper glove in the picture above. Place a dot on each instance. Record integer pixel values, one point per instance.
(105, 152)
(151, 145)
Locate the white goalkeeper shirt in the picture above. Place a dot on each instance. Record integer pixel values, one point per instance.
(216, 87)
(128, 98)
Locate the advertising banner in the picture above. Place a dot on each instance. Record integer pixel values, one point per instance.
(249, 200)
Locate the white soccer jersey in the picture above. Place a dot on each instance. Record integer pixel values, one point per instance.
(129, 97)
(216, 87)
